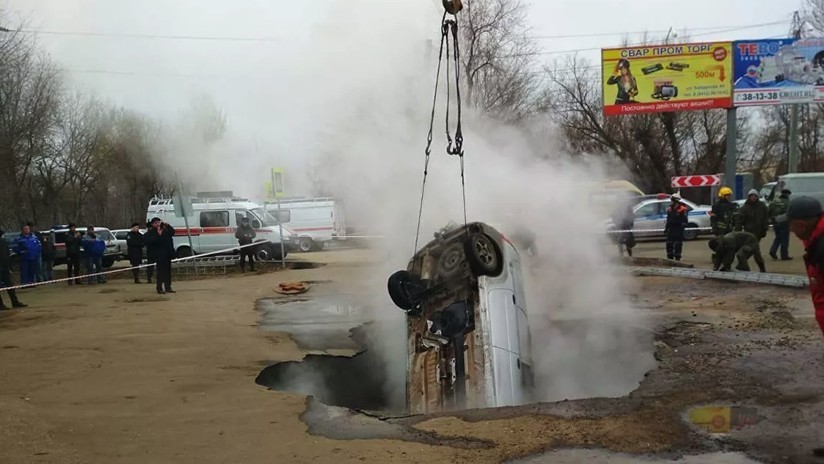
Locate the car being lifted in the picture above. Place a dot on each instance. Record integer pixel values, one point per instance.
(468, 339)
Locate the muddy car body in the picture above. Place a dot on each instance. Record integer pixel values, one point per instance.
(464, 291)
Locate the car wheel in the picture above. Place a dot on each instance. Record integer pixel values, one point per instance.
(484, 255)
(691, 232)
(184, 252)
(405, 290)
(450, 261)
(305, 245)
(108, 262)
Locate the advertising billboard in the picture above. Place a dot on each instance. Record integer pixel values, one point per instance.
(669, 77)
(778, 71)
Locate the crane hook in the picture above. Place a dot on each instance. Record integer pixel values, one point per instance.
(452, 6)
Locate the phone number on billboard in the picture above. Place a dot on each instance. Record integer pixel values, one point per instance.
(755, 97)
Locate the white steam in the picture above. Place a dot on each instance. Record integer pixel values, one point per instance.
(355, 117)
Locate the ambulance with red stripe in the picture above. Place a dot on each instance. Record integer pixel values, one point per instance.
(316, 221)
(213, 223)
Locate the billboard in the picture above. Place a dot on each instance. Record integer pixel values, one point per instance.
(669, 77)
(778, 71)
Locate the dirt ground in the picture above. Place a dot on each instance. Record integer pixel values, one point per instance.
(117, 374)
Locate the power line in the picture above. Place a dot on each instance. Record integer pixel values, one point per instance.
(151, 36)
(575, 50)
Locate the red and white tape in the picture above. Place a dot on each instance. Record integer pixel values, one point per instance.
(125, 269)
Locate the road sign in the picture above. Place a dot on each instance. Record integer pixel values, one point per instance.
(696, 181)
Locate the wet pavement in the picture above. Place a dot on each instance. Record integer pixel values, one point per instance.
(738, 380)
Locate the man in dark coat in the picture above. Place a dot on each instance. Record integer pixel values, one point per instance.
(754, 217)
(739, 245)
(5, 276)
(779, 207)
(623, 219)
(134, 250)
(245, 235)
(674, 229)
(160, 245)
(73, 240)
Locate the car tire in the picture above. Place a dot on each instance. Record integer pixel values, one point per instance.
(184, 252)
(484, 255)
(305, 244)
(449, 263)
(405, 289)
(108, 262)
(691, 232)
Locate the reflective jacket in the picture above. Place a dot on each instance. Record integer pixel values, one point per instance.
(723, 217)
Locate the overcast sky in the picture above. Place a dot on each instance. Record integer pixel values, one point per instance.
(258, 82)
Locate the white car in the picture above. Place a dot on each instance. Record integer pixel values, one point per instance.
(651, 218)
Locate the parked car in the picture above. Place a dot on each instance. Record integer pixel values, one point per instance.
(651, 215)
(9, 238)
(766, 190)
(468, 338)
(111, 255)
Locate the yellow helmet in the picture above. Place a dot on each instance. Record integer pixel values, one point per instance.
(724, 191)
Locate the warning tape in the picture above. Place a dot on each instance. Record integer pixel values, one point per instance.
(115, 271)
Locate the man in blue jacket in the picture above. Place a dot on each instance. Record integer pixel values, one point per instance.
(95, 248)
(27, 245)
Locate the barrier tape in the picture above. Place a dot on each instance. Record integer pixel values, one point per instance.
(114, 271)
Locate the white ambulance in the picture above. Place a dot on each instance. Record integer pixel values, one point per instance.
(213, 223)
(316, 221)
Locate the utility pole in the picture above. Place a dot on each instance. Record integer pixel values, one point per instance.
(792, 162)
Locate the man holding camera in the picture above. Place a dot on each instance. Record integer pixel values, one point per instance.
(160, 246)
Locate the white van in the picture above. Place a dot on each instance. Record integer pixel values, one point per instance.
(809, 184)
(315, 221)
(213, 223)
(464, 291)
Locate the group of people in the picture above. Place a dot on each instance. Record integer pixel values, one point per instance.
(738, 231)
(160, 251)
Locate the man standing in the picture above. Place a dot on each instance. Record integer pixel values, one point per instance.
(95, 248)
(782, 230)
(805, 219)
(245, 235)
(739, 245)
(48, 257)
(27, 245)
(134, 244)
(5, 276)
(722, 216)
(754, 217)
(160, 245)
(73, 254)
(623, 219)
(676, 223)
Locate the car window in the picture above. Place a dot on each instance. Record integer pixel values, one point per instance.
(121, 235)
(104, 234)
(650, 209)
(60, 237)
(214, 219)
(284, 215)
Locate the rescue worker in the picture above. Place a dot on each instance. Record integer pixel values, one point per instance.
(160, 246)
(5, 276)
(805, 219)
(674, 229)
(245, 235)
(738, 244)
(623, 219)
(134, 246)
(73, 254)
(754, 217)
(777, 208)
(27, 245)
(95, 248)
(722, 215)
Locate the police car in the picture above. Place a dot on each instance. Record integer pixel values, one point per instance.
(651, 217)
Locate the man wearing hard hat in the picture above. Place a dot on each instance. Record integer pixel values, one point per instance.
(722, 216)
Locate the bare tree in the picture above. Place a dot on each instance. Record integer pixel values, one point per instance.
(497, 58)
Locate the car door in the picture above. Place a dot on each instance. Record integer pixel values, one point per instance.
(648, 218)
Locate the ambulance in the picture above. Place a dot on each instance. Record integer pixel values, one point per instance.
(213, 223)
(316, 221)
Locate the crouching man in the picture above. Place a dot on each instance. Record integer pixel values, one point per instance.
(741, 245)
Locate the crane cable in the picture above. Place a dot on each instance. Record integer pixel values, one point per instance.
(448, 26)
